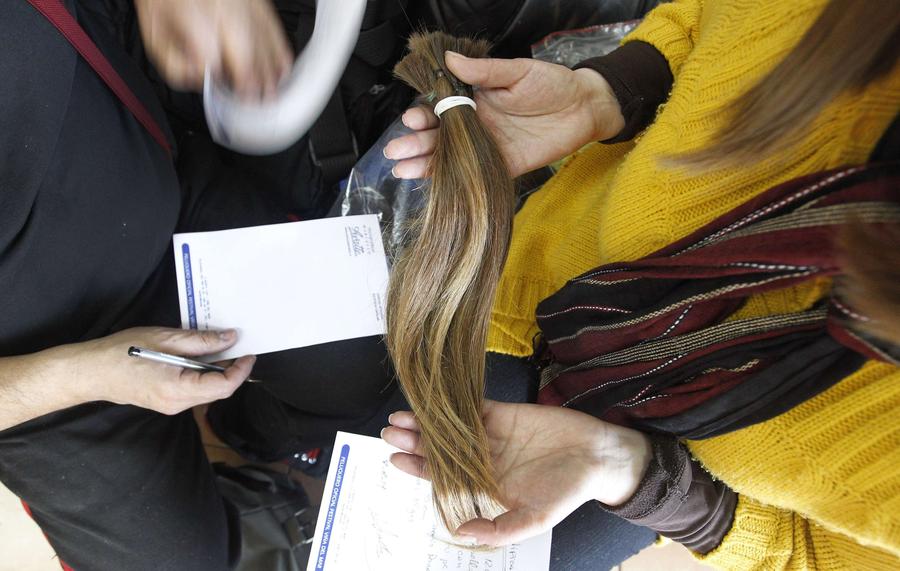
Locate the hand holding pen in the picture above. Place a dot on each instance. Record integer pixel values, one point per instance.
(177, 361)
(100, 370)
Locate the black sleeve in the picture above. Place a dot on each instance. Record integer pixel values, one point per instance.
(641, 80)
(679, 499)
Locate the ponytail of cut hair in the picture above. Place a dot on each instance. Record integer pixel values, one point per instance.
(443, 283)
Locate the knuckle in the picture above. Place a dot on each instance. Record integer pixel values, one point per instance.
(171, 410)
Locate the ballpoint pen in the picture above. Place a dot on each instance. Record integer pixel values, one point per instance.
(177, 361)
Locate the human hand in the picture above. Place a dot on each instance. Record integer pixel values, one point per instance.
(548, 462)
(242, 40)
(538, 112)
(101, 370)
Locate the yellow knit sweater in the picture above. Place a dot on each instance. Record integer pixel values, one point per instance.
(819, 485)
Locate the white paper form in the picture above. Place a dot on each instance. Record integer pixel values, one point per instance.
(284, 286)
(374, 517)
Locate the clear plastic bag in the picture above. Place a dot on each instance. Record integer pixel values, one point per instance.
(571, 47)
(372, 189)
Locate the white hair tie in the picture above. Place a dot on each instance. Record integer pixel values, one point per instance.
(453, 101)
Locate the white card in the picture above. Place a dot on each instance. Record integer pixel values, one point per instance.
(284, 286)
(374, 517)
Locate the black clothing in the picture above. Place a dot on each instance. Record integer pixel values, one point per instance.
(88, 205)
(641, 80)
(88, 200)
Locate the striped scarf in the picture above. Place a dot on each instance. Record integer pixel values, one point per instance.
(650, 344)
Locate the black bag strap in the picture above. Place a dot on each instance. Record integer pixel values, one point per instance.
(332, 144)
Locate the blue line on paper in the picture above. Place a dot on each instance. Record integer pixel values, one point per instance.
(332, 507)
(189, 285)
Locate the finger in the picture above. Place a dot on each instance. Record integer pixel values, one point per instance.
(191, 46)
(268, 78)
(513, 526)
(419, 118)
(280, 55)
(412, 465)
(487, 72)
(273, 41)
(412, 145)
(404, 419)
(206, 387)
(191, 343)
(412, 168)
(269, 62)
(405, 440)
(238, 59)
(240, 370)
(180, 70)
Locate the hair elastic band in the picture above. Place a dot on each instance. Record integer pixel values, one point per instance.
(453, 101)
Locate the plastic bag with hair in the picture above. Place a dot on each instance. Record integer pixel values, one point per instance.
(443, 283)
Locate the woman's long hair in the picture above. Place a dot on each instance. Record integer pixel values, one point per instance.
(442, 287)
(870, 261)
(851, 44)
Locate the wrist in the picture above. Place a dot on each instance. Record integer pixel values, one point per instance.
(625, 456)
(602, 110)
(60, 377)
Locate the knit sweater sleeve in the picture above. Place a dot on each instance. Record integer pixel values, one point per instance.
(672, 29)
(819, 486)
(764, 537)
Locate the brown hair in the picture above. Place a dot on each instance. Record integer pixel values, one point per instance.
(851, 44)
(870, 258)
(442, 287)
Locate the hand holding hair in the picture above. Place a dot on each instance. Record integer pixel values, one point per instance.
(548, 461)
(537, 112)
(443, 282)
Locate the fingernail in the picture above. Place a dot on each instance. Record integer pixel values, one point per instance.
(381, 434)
(462, 539)
(384, 152)
(227, 335)
(394, 172)
(454, 54)
(391, 417)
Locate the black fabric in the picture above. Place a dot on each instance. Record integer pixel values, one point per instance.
(640, 77)
(679, 499)
(88, 200)
(813, 366)
(888, 147)
(332, 145)
(367, 99)
(118, 487)
(277, 521)
(513, 25)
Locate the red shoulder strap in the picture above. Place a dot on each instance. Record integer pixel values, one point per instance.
(56, 12)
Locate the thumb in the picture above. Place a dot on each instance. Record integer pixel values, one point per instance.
(194, 343)
(487, 72)
(511, 527)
